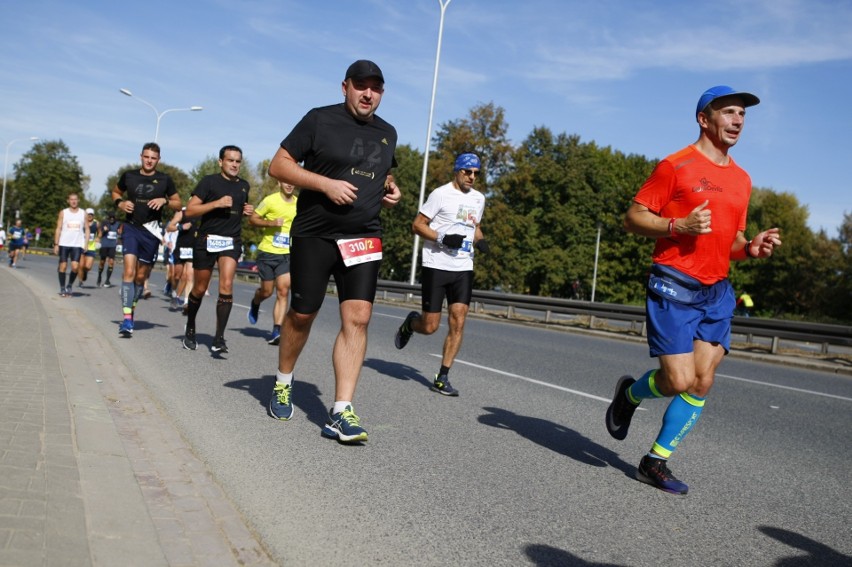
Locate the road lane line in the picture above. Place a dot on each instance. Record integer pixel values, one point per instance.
(800, 390)
(532, 380)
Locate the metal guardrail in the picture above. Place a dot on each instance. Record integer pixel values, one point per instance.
(774, 329)
(817, 333)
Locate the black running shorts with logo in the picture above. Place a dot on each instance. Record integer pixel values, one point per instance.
(457, 287)
(313, 260)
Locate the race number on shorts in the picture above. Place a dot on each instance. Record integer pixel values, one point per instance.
(219, 243)
(360, 250)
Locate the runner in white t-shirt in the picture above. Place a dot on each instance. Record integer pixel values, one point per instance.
(449, 224)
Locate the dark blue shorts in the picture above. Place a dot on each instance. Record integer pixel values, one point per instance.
(673, 326)
(139, 242)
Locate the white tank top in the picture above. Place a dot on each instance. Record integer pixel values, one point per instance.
(73, 232)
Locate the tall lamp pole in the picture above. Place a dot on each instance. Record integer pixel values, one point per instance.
(5, 168)
(444, 4)
(157, 113)
(595, 274)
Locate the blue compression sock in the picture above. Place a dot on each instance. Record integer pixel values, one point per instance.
(644, 388)
(680, 417)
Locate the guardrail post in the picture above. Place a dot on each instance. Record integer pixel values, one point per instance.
(592, 320)
(775, 342)
(509, 311)
(547, 316)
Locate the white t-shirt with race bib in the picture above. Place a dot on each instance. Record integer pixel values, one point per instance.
(452, 211)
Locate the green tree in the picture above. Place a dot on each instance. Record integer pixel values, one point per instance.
(43, 179)
(555, 197)
(397, 239)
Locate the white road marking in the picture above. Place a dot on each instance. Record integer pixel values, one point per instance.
(592, 396)
(800, 390)
(532, 380)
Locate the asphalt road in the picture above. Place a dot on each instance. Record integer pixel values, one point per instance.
(519, 470)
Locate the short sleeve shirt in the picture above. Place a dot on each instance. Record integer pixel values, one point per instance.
(276, 239)
(452, 211)
(142, 188)
(332, 143)
(222, 222)
(680, 183)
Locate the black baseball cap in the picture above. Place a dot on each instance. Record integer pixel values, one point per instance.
(364, 69)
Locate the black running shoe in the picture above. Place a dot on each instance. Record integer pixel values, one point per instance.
(219, 346)
(189, 340)
(656, 473)
(620, 411)
(403, 334)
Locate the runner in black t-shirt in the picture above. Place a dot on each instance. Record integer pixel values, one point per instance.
(221, 200)
(147, 191)
(348, 153)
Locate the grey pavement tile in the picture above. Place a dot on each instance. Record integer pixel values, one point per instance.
(33, 509)
(21, 557)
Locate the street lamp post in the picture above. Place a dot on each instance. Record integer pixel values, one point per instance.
(444, 4)
(5, 168)
(158, 114)
(597, 251)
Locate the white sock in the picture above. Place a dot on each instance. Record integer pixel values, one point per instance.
(283, 378)
(339, 406)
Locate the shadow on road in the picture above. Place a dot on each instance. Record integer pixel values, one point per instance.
(547, 556)
(397, 370)
(306, 397)
(817, 553)
(556, 437)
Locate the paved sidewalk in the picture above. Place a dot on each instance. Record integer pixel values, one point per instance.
(92, 472)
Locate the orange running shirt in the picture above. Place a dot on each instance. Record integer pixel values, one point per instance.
(683, 181)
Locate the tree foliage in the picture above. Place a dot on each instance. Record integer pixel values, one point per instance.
(43, 179)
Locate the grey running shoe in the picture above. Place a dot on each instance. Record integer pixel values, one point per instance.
(442, 386)
(280, 405)
(345, 427)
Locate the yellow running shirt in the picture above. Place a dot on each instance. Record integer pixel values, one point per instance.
(276, 239)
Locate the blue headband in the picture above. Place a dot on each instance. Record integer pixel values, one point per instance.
(466, 161)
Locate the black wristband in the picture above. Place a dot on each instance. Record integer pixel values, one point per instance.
(748, 250)
(116, 202)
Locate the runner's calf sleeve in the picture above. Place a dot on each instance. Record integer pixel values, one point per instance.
(644, 388)
(128, 292)
(680, 417)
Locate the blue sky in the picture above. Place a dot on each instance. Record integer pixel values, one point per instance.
(624, 74)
